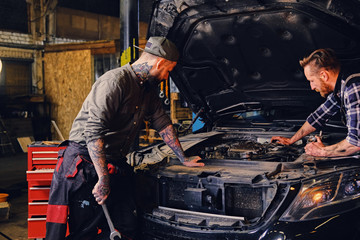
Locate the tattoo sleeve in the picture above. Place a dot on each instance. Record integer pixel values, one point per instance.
(97, 154)
(169, 136)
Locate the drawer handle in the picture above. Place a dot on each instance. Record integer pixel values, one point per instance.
(36, 219)
(38, 203)
(41, 171)
(39, 188)
(39, 159)
(45, 152)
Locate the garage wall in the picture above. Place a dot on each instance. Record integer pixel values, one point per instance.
(78, 24)
(18, 54)
(68, 80)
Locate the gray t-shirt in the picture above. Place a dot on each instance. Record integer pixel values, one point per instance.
(115, 109)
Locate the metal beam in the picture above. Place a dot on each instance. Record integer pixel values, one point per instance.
(129, 30)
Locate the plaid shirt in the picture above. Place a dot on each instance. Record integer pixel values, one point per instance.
(346, 97)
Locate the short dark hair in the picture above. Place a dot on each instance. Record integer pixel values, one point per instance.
(322, 58)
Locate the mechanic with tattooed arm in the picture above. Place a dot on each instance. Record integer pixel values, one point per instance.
(342, 89)
(102, 134)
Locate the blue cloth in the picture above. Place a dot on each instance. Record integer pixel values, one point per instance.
(71, 199)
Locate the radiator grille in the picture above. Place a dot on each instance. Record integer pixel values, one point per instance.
(176, 191)
(243, 201)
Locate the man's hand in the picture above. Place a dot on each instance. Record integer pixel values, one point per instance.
(316, 148)
(169, 136)
(97, 153)
(102, 189)
(305, 129)
(193, 162)
(281, 140)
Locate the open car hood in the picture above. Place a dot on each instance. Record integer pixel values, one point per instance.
(246, 53)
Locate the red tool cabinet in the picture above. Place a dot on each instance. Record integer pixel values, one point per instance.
(42, 159)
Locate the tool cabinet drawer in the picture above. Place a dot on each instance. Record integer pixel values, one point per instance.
(42, 155)
(40, 160)
(39, 175)
(37, 208)
(37, 227)
(39, 178)
(38, 193)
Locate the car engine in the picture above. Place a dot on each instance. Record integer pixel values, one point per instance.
(252, 149)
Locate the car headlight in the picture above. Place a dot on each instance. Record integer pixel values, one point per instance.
(325, 196)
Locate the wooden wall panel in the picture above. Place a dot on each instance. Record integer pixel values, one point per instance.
(76, 24)
(68, 80)
(17, 78)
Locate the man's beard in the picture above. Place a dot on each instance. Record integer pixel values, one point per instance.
(325, 91)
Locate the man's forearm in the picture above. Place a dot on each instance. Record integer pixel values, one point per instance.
(305, 129)
(343, 148)
(169, 136)
(97, 153)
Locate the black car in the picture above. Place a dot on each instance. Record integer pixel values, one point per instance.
(239, 70)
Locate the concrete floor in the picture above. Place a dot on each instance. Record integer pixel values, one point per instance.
(13, 181)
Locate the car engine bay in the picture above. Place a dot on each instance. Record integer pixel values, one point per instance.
(252, 150)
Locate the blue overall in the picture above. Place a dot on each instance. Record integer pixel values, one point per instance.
(72, 202)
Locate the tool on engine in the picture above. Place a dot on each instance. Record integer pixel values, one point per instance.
(313, 138)
(113, 232)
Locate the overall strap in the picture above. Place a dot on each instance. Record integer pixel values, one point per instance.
(347, 81)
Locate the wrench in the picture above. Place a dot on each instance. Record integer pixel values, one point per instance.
(114, 233)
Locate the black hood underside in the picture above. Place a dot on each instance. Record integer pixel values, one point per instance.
(246, 53)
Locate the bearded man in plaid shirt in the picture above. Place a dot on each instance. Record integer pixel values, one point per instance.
(342, 89)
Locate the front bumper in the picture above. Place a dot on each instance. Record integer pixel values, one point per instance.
(190, 226)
